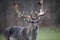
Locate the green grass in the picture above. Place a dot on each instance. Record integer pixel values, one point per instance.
(45, 34)
(48, 34)
(1, 37)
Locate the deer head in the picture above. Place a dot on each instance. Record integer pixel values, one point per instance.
(31, 18)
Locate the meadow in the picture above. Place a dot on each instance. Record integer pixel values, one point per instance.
(45, 34)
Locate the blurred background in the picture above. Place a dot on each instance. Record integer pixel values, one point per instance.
(49, 26)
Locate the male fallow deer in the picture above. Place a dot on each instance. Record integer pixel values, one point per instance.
(23, 33)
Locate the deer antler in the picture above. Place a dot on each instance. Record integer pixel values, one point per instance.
(19, 13)
(41, 12)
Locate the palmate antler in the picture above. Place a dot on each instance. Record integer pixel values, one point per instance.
(41, 13)
(41, 10)
(27, 16)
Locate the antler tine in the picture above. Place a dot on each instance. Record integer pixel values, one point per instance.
(16, 6)
(31, 13)
(23, 12)
(17, 11)
(45, 10)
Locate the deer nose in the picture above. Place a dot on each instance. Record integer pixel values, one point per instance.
(35, 24)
